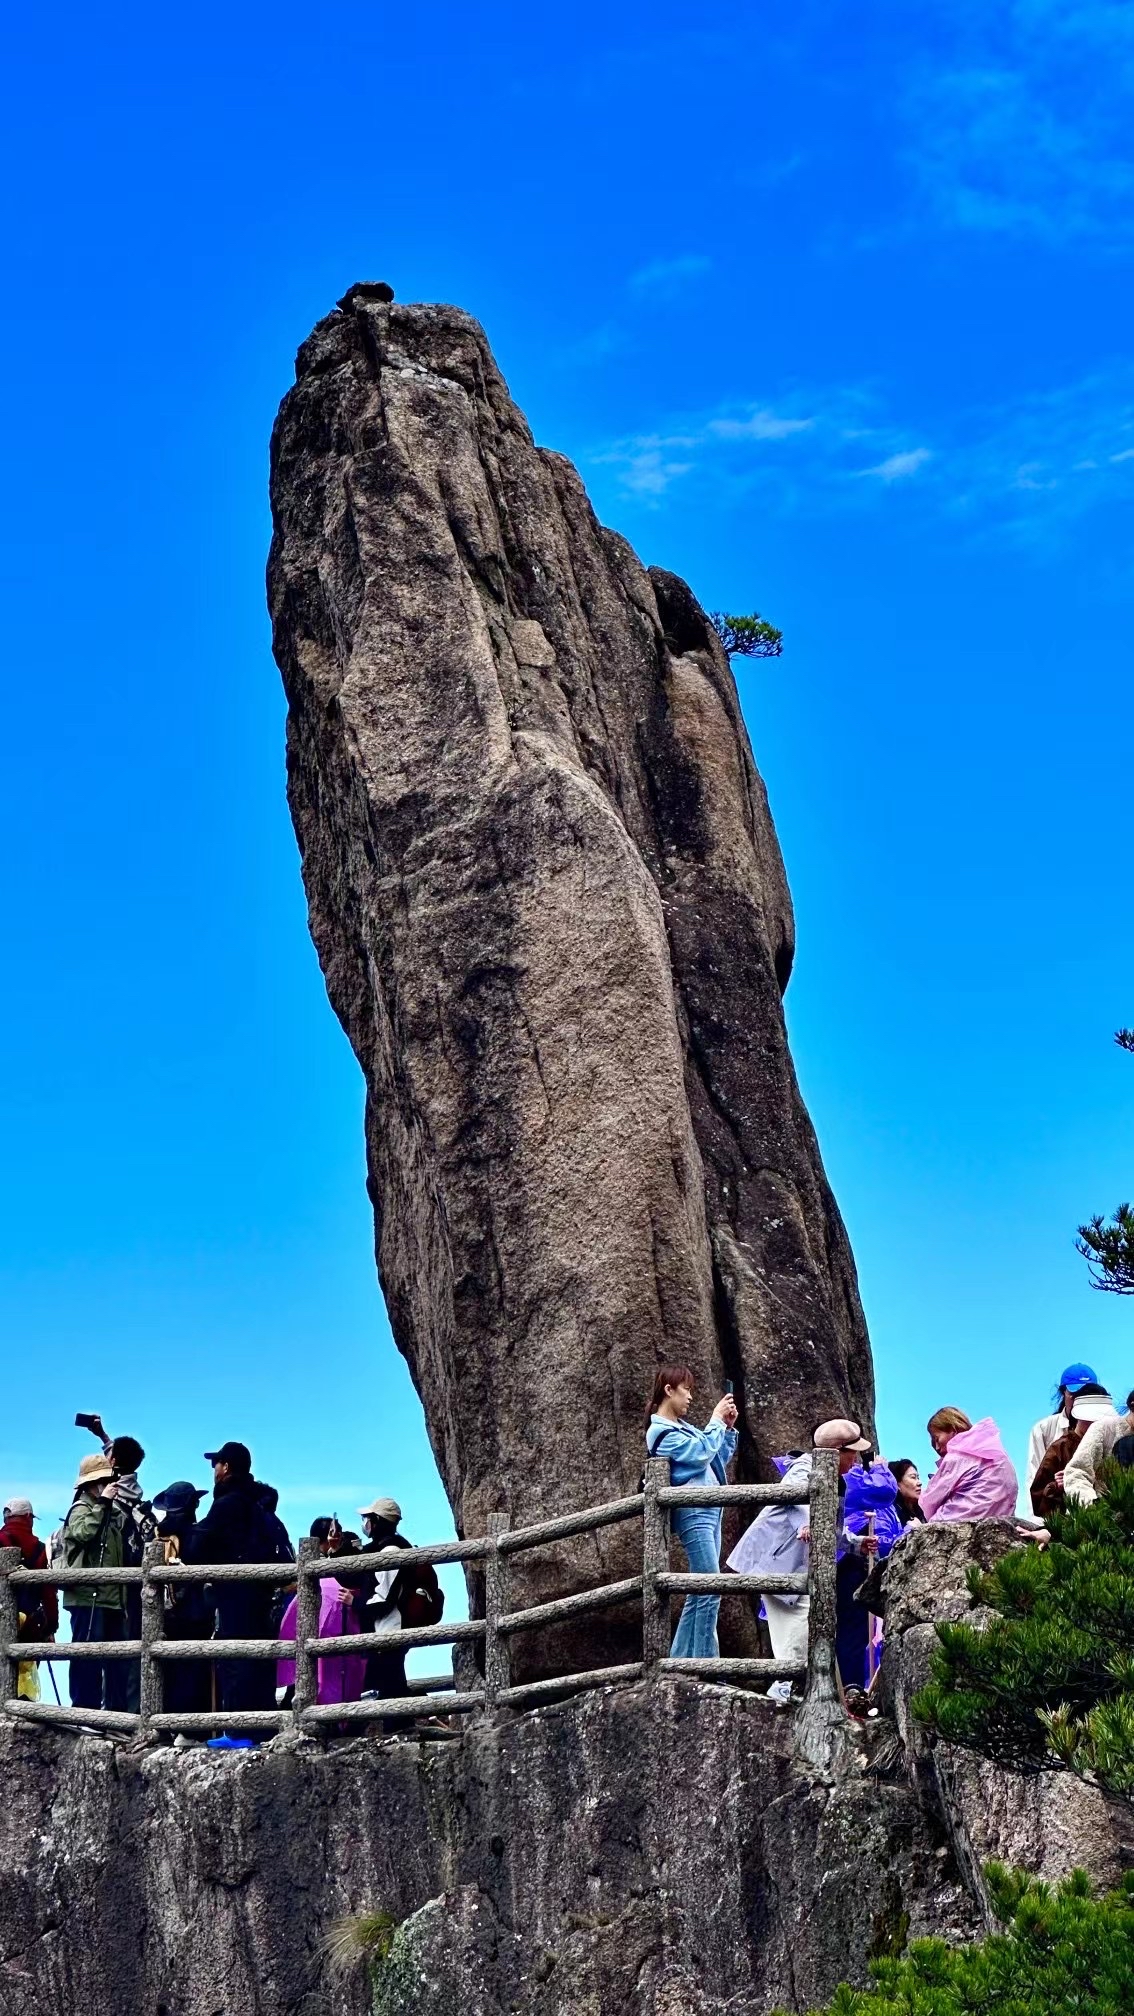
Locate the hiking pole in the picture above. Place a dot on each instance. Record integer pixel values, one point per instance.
(54, 1682)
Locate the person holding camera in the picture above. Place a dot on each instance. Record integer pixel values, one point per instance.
(92, 1538)
(696, 1456)
(127, 1455)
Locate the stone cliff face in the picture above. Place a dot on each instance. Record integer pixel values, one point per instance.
(656, 1850)
(552, 915)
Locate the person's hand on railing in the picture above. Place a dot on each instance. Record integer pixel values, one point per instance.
(725, 1410)
(805, 1533)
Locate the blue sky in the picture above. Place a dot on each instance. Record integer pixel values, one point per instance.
(833, 314)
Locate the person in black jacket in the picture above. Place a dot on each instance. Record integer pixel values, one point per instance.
(240, 1526)
(188, 1611)
(382, 1597)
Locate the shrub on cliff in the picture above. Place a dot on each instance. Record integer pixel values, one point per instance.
(1050, 1683)
(747, 636)
(1108, 1245)
(1061, 1953)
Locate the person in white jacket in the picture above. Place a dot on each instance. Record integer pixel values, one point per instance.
(1081, 1475)
(1049, 1429)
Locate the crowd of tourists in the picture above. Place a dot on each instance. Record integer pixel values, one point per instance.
(108, 1526)
(974, 1478)
(111, 1521)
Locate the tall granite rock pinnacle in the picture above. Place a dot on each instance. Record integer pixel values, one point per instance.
(551, 910)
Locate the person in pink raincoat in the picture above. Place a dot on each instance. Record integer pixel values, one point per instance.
(341, 1677)
(975, 1478)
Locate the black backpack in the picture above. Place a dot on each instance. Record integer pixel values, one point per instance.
(651, 1453)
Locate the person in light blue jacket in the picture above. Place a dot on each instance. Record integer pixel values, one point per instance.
(696, 1456)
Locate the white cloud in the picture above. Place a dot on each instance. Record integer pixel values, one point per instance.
(906, 462)
(761, 425)
(1023, 123)
(664, 276)
(1022, 469)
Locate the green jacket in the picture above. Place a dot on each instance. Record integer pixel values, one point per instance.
(92, 1538)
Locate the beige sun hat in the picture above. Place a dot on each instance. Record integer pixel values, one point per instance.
(94, 1470)
(382, 1508)
(841, 1433)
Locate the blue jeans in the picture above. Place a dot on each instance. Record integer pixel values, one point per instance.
(698, 1528)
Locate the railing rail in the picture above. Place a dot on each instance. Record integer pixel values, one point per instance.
(440, 1695)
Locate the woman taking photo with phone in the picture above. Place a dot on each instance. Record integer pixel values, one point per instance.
(696, 1456)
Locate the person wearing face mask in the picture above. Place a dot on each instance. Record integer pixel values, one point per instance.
(380, 1599)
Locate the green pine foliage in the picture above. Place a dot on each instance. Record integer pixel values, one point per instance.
(1061, 1952)
(1049, 1684)
(1107, 1244)
(747, 636)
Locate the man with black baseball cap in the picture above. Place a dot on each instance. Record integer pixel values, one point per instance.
(232, 1456)
(240, 1525)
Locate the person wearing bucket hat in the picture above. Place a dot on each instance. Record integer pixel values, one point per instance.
(92, 1538)
(1050, 1427)
(1090, 1404)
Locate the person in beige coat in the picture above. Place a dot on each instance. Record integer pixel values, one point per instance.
(1081, 1476)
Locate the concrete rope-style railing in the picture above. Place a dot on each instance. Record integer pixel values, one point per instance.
(653, 1589)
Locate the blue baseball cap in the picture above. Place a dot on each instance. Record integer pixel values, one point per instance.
(1076, 1376)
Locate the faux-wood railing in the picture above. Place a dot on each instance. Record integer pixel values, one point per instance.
(652, 1589)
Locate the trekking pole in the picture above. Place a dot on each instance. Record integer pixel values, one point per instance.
(54, 1683)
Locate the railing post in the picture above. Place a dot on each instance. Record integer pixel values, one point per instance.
(10, 1558)
(151, 1690)
(497, 1659)
(655, 1562)
(308, 1605)
(823, 1520)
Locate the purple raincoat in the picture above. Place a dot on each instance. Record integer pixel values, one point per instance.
(341, 1677)
(868, 1491)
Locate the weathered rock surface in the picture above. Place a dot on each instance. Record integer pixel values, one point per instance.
(657, 1850)
(551, 911)
(1049, 1823)
(613, 1854)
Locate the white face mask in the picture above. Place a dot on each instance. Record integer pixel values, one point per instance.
(160, 1513)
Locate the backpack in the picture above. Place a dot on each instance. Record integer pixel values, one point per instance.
(651, 1453)
(424, 1601)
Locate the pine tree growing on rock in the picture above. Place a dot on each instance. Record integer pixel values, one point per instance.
(1048, 1684)
(1108, 1245)
(1061, 1952)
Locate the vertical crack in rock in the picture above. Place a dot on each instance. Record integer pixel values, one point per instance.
(552, 915)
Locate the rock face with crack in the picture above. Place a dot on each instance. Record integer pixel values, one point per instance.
(552, 915)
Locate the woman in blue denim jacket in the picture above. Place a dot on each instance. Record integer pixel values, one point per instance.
(696, 1456)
